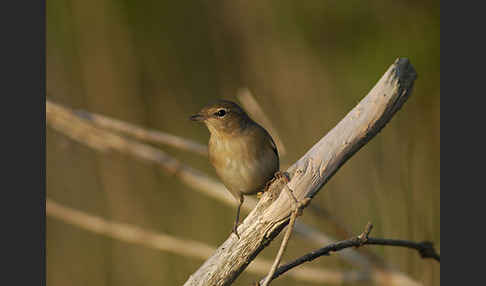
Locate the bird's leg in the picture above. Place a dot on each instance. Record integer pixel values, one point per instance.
(237, 221)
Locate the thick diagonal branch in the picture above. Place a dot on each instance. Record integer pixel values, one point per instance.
(308, 175)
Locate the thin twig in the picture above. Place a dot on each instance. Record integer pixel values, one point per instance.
(426, 249)
(297, 211)
(283, 246)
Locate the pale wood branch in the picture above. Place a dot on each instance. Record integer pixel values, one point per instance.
(67, 122)
(143, 134)
(308, 175)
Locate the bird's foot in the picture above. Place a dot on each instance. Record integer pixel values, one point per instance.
(278, 175)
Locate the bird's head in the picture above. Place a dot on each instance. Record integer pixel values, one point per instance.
(223, 117)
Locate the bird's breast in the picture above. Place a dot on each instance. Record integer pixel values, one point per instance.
(243, 165)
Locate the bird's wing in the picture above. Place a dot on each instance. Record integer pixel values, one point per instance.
(273, 145)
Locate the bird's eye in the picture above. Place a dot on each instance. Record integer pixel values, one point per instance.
(220, 113)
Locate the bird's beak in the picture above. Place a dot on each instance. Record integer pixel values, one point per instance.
(197, 117)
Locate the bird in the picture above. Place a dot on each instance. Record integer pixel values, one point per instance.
(241, 151)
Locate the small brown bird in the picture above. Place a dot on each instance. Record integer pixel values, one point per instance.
(241, 151)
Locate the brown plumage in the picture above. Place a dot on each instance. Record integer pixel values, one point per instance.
(241, 151)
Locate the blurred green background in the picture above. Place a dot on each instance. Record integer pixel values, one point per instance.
(154, 63)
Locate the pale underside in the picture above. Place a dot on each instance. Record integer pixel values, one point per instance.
(243, 168)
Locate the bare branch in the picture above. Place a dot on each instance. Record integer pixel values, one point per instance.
(308, 175)
(426, 249)
(85, 132)
(140, 133)
(188, 248)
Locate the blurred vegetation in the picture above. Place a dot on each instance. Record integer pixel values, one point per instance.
(308, 63)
